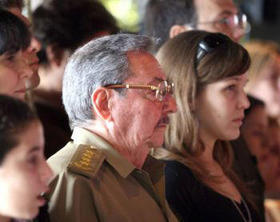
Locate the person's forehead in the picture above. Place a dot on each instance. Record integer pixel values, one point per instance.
(145, 67)
(213, 8)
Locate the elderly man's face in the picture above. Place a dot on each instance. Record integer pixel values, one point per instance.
(215, 10)
(138, 119)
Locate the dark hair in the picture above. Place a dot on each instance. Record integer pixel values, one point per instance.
(14, 116)
(14, 35)
(254, 102)
(161, 15)
(7, 4)
(67, 24)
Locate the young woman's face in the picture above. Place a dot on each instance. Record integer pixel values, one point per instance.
(254, 131)
(14, 72)
(220, 108)
(24, 175)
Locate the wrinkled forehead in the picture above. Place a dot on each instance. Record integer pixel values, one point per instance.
(144, 67)
(208, 10)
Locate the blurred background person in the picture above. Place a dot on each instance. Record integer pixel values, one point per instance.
(30, 53)
(14, 71)
(24, 173)
(62, 26)
(166, 19)
(272, 202)
(264, 74)
(262, 135)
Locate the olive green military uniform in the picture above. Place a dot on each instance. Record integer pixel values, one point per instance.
(93, 182)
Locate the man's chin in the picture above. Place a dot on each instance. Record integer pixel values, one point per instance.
(156, 142)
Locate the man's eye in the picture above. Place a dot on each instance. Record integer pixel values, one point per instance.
(224, 21)
(231, 87)
(11, 58)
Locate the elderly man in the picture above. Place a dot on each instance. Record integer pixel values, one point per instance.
(118, 101)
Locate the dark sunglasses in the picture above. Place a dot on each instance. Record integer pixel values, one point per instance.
(208, 44)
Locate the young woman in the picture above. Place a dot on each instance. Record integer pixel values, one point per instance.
(24, 173)
(209, 72)
(15, 72)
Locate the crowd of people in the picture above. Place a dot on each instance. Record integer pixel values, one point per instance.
(179, 122)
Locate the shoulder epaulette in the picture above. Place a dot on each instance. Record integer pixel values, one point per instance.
(86, 161)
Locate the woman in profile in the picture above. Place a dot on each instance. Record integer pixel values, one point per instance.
(209, 73)
(24, 173)
(15, 72)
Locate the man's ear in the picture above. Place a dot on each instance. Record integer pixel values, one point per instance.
(100, 103)
(176, 30)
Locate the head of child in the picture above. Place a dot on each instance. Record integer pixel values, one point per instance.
(24, 173)
(208, 70)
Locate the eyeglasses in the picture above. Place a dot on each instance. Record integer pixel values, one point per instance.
(208, 44)
(161, 91)
(238, 20)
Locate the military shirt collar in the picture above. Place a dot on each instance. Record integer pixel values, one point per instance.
(118, 162)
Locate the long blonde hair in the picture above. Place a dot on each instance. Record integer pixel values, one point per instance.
(177, 58)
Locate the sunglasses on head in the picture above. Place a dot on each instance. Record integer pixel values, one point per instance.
(208, 44)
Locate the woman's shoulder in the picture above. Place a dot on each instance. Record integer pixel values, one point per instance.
(177, 173)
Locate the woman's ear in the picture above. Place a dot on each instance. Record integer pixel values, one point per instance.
(100, 103)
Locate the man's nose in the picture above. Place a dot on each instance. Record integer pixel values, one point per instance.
(170, 104)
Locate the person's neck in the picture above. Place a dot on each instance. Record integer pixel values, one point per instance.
(5, 219)
(51, 78)
(136, 155)
(208, 143)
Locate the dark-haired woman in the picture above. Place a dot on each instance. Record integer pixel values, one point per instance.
(24, 173)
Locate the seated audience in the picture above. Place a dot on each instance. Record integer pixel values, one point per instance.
(209, 72)
(24, 173)
(62, 26)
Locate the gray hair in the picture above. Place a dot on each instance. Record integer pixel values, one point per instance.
(100, 62)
